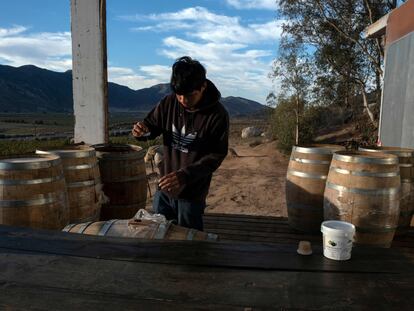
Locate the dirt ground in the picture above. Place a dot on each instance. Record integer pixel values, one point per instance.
(251, 180)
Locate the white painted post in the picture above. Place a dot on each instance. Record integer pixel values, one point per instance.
(89, 74)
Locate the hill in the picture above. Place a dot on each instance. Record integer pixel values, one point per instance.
(32, 89)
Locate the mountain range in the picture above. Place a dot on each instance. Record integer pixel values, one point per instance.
(32, 89)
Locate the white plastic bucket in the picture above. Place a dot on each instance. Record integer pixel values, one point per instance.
(337, 239)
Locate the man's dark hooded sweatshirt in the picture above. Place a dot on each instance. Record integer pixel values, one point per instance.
(195, 141)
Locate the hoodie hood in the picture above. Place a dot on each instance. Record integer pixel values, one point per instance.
(211, 97)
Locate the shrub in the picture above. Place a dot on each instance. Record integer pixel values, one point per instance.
(283, 124)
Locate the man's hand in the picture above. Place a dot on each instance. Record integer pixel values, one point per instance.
(139, 129)
(172, 182)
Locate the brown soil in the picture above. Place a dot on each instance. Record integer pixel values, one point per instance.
(251, 183)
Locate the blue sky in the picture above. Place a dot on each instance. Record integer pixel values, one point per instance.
(236, 40)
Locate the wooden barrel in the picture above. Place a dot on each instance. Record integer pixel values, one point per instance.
(406, 163)
(33, 192)
(363, 188)
(142, 229)
(124, 180)
(83, 182)
(305, 184)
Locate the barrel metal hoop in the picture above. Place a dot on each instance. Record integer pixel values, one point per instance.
(190, 234)
(358, 159)
(10, 182)
(212, 237)
(305, 175)
(407, 181)
(80, 167)
(400, 153)
(69, 227)
(41, 199)
(69, 154)
(135, 178)
(406, 165)
(81, 184)
(84, 226)
(373, 192)
(315, 150)
(105, 228)
(384, 229)
(308, 161)
(162, 231)
(30, 165)
(362, 173)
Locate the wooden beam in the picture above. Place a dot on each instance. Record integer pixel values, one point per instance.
(378, 28)
(89, 72)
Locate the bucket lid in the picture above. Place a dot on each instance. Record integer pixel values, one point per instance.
(337, 227)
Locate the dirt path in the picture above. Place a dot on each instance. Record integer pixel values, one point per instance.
(251, 183)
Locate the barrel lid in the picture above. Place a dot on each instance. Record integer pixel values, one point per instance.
(118, 151)
(317, 148)
(365, 157)
(399, 151)
(29, 162)
(71, 151)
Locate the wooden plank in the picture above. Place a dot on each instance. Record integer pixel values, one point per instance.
(257, 230)
(31, 280)
(247, 218)
(247, 229)
(248, 225)
(201, 253)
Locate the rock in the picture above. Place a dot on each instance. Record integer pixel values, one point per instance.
(251, 131)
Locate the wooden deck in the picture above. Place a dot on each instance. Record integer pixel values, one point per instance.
(254, 267)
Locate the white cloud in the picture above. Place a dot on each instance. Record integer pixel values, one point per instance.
(233, 52)
(145, 76)
(209, 26)
(253, 4)
(4, 32)
(164, 26)
(47, 50)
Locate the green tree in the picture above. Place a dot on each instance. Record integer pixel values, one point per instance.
(292, 70)
(347, 64)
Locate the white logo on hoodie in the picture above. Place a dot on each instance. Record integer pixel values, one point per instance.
(180, 140)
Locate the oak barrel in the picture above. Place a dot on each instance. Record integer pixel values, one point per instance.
(33, 192)
(305, 184)
(363, 188)
(124, 179)
(142, 229)
(83, 182)
(406, 163)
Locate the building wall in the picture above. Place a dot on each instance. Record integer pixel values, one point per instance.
(397, 108)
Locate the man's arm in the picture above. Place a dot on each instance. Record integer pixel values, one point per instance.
(151, 127)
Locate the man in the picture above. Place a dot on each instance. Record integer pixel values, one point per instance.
(195, 126)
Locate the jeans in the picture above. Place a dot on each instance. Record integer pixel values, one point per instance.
(184, 213)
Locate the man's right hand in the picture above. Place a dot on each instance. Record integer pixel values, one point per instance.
(139, 129)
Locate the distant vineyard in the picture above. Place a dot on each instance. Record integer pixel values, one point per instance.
(13, 148)
(10, 147)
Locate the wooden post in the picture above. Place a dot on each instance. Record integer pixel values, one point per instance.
(90, 82)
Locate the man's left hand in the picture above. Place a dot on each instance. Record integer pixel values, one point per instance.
(172, 182)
